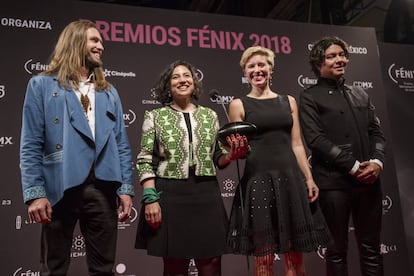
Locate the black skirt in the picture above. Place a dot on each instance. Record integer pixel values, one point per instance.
(194, 220)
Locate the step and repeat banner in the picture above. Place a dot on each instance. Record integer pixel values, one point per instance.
(398, 74)
(139, 43)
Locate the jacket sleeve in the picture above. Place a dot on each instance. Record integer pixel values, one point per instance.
(146, 159)
(124, 150)
(377, 140)
(32, 142)
(316, 139)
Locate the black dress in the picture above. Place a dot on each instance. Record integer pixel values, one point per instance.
(275, 215)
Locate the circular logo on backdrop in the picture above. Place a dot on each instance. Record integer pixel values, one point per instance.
(386, 204)
(130, 117)
(402, 76)
(199, 75)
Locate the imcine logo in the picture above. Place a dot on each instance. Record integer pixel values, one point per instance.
(229, 185)
(78, 246)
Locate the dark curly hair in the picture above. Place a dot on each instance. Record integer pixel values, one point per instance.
(162, 88)
(317, 54)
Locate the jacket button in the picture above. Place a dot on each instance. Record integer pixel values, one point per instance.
(55, 94)
(56, 120)
(58, 146)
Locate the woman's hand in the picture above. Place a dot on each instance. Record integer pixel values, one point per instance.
(239, 147)
(313, 190)
(153, 214)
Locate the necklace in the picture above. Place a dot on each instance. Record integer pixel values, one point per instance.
(84, 99)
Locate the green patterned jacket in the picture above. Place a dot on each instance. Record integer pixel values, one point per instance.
(165, 128)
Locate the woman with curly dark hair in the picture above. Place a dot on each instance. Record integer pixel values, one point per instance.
(183, 215)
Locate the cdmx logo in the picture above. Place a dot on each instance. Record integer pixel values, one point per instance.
(6, 141)
(222, 99)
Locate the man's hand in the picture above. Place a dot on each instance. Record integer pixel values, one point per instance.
(368, 172)
(40, 210)
(124, 207)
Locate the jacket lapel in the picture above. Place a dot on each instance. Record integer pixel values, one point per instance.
(77, 117)
(105, 118)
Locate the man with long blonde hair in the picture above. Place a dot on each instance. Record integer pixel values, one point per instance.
(75, 156)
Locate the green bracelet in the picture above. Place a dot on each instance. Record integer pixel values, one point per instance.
(150, 195)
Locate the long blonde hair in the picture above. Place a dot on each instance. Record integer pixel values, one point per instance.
(69, 57)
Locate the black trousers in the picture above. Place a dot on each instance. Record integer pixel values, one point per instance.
(365, 206)
(94, 206)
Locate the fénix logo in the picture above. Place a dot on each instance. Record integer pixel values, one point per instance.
(199, 74)
(129, 118)
(386, 204)
(306, 81)
(26, 23)
(400, 73)
(25, 272)
(31, 66)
